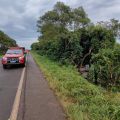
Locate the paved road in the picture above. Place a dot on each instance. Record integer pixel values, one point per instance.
(40, 101)
(9, 80)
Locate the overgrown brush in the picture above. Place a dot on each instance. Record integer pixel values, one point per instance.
(81, 99)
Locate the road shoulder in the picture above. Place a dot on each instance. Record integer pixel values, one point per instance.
(40, 101)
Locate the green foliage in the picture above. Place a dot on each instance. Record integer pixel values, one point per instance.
(113, 25)
(105, 69)
(66, 49)
(61, 20)
(0, 55)
(81, 99)
(64, 17)
(35, 46)
(68, 36)
(80, 18)
(94, 38)
(6, 41)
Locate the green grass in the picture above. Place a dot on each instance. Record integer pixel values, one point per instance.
(0, 55)
(80, 99)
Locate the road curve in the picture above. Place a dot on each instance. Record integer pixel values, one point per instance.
(9, 80)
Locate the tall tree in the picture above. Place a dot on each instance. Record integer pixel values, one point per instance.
(113, 25)
(61, 19)
(6, 41)
(80, 18)
(94, 38)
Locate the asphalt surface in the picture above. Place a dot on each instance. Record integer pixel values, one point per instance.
(9, 80)
(40, 103)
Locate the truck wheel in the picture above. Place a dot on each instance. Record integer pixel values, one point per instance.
(4, 66)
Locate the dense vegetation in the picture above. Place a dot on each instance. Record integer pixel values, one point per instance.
(81, 99)
(68, 36)
(105, 68)
(5, 41)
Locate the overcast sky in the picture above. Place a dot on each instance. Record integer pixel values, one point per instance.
(18, 17)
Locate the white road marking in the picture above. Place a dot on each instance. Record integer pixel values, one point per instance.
(16, 104)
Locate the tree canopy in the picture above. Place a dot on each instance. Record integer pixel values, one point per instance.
(6, 41)
(68, 36)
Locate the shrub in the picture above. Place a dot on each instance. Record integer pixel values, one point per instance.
(105, 69)
(81, 99)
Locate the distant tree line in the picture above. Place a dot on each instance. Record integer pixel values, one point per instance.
(67, 35)
(5, 41)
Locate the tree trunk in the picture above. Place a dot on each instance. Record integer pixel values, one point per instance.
(86, 55)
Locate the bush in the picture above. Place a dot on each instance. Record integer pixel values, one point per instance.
(66, 48)
(81, 99)
(105, 69)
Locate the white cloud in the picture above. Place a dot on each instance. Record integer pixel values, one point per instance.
(18, 17)
(8, 16)
(26, 42)
(20, 27)
(35, 8)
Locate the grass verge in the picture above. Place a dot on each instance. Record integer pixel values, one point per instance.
(80, 99)
(0, 55)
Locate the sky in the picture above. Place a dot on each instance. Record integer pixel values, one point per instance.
(18, 17)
